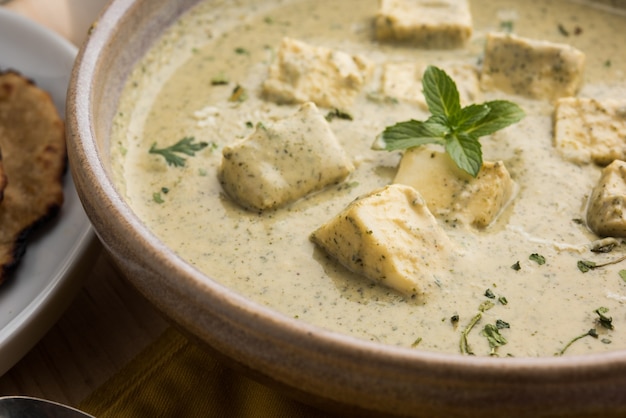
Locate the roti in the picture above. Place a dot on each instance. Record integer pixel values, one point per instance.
(32, 140)
(3, 178)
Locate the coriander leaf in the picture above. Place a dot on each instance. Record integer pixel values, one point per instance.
(440, 92)
(495, 339)
(464, 344)
(466, 152)
(537, 258)
(585, 266)
(604, 320)
(502, 113)
(184, 146)
(591, 333)
(500, 324)
(336, 113)
(156, 196)
(485, 306)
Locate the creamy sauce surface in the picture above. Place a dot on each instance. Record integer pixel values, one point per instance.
(269, 258)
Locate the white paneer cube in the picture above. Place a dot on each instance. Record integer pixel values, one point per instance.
(403, 81)
(589, 130)
(390, 237)
(531, 68)
(430, 24)
(606, 211)
(452, 194)
(283, 162)
(327, 77)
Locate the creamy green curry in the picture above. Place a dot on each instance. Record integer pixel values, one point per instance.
(534, 280)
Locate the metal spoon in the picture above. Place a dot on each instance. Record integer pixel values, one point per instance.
(28, 407)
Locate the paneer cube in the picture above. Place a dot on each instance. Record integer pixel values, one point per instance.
(390, 237)
(606, 211)
(589, 130)
(531, 68)
(452, 194)
(431, 24)
(403, 81)
(283, 162)
(303, 73)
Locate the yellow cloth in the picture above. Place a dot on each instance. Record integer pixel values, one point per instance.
(175, 378)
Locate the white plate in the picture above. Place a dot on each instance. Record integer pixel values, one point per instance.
(58, 255)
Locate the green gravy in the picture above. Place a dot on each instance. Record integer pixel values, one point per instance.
(268, 257)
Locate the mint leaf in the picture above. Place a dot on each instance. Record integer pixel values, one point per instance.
(466, 152)
(412, 133)
(502, 114)
(442, 96)
(457, 128)
(470, 116)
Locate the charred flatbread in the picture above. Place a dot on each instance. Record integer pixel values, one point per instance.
(3, 178)
(32, 140)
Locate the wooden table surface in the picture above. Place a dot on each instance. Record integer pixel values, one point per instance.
(108, 323)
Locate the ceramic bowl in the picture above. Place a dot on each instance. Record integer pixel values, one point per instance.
(330, 370)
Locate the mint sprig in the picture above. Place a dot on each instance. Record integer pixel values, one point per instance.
(456, 128)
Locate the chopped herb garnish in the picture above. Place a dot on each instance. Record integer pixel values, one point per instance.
(516, 266)
(219, 80)
(489, 293)
(239, 94)
(465, 348)
(184, 146)
(454, 319)
(562, 30)
(165, 190)
(416, 342)
(507, 26)
(495, 339)
(241, 51)
(156, 196)
(500, 324)
(586, 265)
(347, 185)
(537, 258)
(591, 333)
(338, 114)
(486, 305)
(503, 300)
(450, 125)
(605, 321)
(622, 275)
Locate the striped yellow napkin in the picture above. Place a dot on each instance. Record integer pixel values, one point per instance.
(175, 378)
